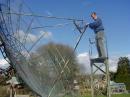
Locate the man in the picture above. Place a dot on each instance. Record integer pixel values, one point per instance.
(98, 28)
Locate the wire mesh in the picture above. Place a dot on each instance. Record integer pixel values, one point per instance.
(24, 37)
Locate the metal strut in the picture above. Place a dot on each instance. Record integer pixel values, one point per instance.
(100, 78)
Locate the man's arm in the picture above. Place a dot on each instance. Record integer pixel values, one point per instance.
(95, 24)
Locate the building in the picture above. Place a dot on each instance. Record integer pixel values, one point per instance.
(117, 88)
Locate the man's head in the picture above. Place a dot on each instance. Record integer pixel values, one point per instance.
(94, 15)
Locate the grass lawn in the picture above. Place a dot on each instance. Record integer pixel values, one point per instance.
(116, 95)
(121, 95)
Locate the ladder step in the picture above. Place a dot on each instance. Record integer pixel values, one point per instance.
(98, 60)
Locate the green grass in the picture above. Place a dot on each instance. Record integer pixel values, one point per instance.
(121, 95)
(116, 95)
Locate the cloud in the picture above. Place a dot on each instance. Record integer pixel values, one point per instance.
(31, 38)
(113, 63)
(84, 62)
(25, 54)
(3, 63)
(47, 35)
(128, 56)
(22, 37)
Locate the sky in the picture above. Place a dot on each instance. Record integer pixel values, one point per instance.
(114, 14)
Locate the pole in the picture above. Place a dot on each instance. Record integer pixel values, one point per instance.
(92, 84)
(108, 79)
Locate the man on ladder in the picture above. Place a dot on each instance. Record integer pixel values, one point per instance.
(102, 59)
(98, 28)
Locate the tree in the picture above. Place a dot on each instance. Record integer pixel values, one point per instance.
(56, 60)
(123, 72)
(112, 75)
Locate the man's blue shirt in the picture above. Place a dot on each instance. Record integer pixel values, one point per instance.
(97, 25)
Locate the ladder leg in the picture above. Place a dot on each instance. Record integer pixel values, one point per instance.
(108, 79)
(92, 81)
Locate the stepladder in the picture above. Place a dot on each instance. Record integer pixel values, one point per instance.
(100, 77)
